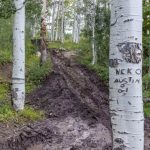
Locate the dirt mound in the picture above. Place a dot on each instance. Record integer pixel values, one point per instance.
(76, 104)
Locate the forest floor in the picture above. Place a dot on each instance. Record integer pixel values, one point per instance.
(75, 101)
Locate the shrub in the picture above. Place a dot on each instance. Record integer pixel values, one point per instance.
(38, 73)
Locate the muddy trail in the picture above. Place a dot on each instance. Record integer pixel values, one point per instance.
(75, 101)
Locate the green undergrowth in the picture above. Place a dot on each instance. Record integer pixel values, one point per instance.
(147, 109)
(69, 45)
(35, 74)
(84, 58)
(101, 71)
(7, 114)
(4, 91)
(5, 57)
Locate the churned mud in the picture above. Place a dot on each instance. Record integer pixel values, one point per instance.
(75, 101)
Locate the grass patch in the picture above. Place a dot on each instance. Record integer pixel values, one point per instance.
(69, 45)
(102, 71)
(31, 114)
(37, 73)
(147, 109)
(7, 114)
(85, 58)
(4, 91)
(5, 56)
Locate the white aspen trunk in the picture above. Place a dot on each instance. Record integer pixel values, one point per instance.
(78, 29)
(62, 23)
(75, 30)
(18, 73)
(57, 22)
(34, 29)
(49, 27)
(53, 21)
(125, 75)
(93, 34)
(76, 25)
(43, 47)
(44, 7)
(93, 45)
(33, 32)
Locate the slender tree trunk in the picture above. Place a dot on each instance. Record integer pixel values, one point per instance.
(53, 20)
(62, 23)
(93, 45)
(76, 25)
(75, 29)
(125, 75)
(57, 21)
(18, 74)
(93, 34)
(34, 29)
(43, 46)
(49, 28)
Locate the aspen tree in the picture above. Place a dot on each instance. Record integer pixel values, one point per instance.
(18, 73)
(125, 75)
(93, 33)
(43, 46)
(53, 20)
(57, 20)
(77, 20)
(62, 21)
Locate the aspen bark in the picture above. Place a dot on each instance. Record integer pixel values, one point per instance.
(93, 45)
(43, 46)
(75, 29)
(76, 25)
(62, 22)
(18, 73)
(34, 28)
(57, 21)
(125, 75)
(93, 33)
(53, 20)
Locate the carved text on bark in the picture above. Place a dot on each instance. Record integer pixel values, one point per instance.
(125, 81)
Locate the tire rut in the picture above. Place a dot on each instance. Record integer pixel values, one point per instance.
(75, 102)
